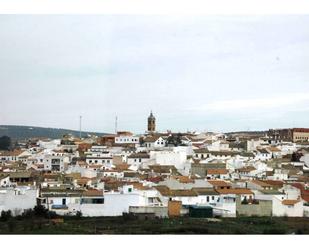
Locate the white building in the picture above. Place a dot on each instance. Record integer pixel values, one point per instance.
(154, 142)
(126, 139)
(53, 162)
(287, 207)
(177, 157)
(95, 203)
(18, 199)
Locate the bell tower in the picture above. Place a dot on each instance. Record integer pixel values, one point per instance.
(151, 123)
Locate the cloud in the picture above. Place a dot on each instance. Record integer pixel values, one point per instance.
(286, 100)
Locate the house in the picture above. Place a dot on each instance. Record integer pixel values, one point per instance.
(162, 170)
(54, 162)
(288, 207)
(200, 169)
(12, 156)
(114, 173)
(18, 199)
(275, 152)
(186, 196)
(219, 184)
(226, 204)
(279, 174)
(135, 160)
(123, 138)
(207, 196)
(221, 174)
(259, 185)
(202, 153)
(246, 172)
(105, 160)
(154, 142)
(99, 155)
(176, 156)
(21, 177)
(263, 154)
(184, 183)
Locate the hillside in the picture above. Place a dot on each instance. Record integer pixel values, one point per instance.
(24, 132)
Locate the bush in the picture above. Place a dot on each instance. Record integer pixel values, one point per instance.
(40, 211)
(28, 213)
(274, 231)
(79, 214)
(11, 226)
(51, 215)
(6, 215)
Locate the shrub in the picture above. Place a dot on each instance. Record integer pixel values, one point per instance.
(40, 211)
(28, 213)
(79, 214)
(6, 215)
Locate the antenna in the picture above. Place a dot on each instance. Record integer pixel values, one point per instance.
(80, 127)
(116, 125)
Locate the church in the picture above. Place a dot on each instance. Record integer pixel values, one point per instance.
(151, 123)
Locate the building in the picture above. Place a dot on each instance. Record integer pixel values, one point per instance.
(126, 138)
(151, 123)
(154, 142)
(300, 134)
(18, 199)
(294, 135)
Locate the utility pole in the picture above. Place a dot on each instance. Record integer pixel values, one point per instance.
(116, 125)
(80, 127)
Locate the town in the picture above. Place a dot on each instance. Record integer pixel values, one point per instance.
(160, 174)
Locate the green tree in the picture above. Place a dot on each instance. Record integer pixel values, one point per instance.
(5, 143)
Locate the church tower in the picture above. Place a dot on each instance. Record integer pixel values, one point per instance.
(151, 123)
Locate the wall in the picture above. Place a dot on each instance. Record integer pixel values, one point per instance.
(161, 212)
(174, 208)
(177, 158)
(264, 208)
(283, 210)
(17, 203)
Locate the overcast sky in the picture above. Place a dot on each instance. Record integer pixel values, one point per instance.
(217, 73)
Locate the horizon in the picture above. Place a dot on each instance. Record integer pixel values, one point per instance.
(203, 73)
(161, 131)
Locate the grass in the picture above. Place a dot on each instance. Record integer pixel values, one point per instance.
(184, 225)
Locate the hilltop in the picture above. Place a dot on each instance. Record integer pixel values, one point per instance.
(18, 132)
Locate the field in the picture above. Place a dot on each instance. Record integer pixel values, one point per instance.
(127, 225)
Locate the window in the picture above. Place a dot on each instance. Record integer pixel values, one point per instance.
(92, 201)
(207, 198)
(213, 198)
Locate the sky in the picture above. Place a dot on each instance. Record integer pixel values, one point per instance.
(197, 73)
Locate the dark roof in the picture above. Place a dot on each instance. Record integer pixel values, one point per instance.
(209, 165)
(263, 151)
(163, 168)
(21, 174)
(139, 155)
(202, 150)
(205, 191)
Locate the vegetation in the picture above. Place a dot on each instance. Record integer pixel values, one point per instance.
(131, 225)
(27, 132)
(5, 143)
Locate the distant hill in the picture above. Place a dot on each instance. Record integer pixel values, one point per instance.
(17, 132)
(247, 133)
